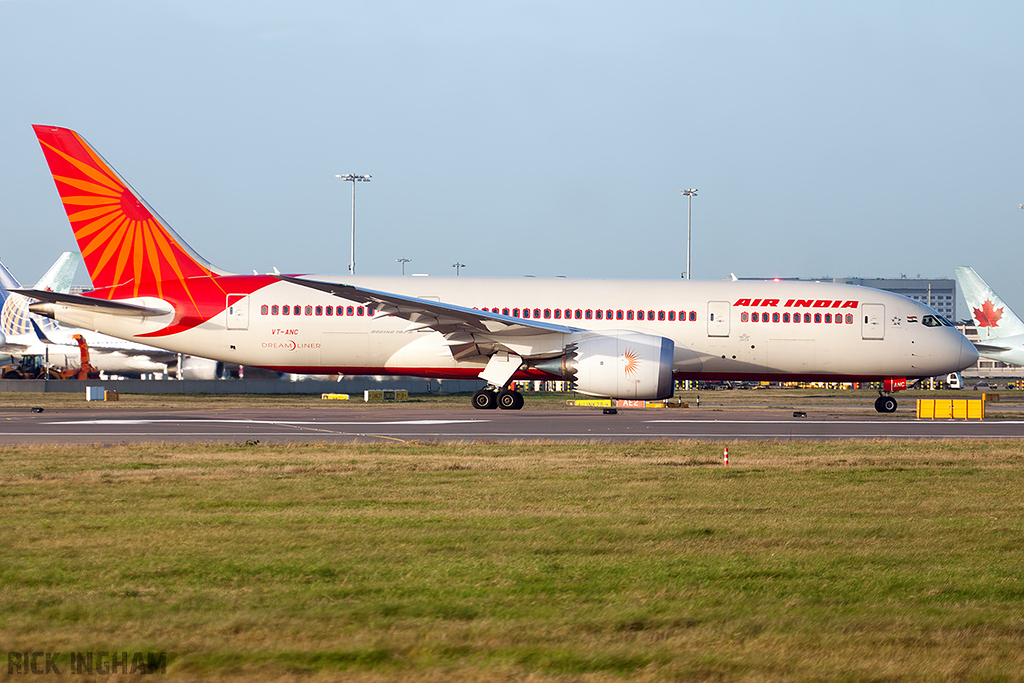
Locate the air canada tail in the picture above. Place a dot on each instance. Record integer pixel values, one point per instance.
(127, 248)
(993, 317)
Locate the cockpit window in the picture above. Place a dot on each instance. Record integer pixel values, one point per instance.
(935, 321)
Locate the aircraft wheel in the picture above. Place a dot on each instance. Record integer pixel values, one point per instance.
(510, 400)
(885, 404)
(485, 399)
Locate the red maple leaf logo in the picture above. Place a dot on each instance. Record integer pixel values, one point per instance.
(987, 315)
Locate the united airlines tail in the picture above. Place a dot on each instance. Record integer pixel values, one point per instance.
(994, 318)
(15, 318)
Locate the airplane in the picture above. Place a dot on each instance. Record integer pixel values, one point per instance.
(624, 339)
(1000, 331)
(25, 333)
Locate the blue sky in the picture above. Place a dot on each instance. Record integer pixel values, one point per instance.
(826, 139)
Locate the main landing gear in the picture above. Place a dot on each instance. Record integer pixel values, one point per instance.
(488, 399)
(885, 404)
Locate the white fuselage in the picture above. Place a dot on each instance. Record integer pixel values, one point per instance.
(877, 334)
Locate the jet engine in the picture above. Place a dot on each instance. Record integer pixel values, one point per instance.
(617, 364)
(194, 367)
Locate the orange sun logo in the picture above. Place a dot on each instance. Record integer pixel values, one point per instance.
(632, 362)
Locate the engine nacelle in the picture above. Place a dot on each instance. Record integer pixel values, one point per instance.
(194, 367)
(617, 364)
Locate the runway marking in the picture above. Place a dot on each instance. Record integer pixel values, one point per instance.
(802, 421)
(267, 422)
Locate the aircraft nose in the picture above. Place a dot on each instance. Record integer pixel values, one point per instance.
(968, 354)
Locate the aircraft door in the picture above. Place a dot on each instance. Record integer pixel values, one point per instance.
(238, 312)
(872, 321)
(718, 318)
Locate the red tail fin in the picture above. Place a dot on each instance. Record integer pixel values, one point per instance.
(127, 248)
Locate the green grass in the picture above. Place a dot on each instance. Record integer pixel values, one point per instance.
(875, 560)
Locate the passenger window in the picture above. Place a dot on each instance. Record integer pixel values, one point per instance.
(650, 315)
(785, 317)
(309, 310)
(608, 314)
(273, 309)
(515, 312)
(547, 313)
(693, 315)
(264, 309)
(639, 315)
(744, 317)
(775, 317)
(350, 310)
(600, 314)
(330, 310)
(285, 310)
(661, 315)
(618, 314)
(504, 311)
(579, 314)
(590, 314)
(754, 317)
(817, 317)
(536, 313)
(807, 317)
(319, 310)
(828, 317)
(849, 318)
(568, 313)
(629, 315)
(359, 310)
(526, 312)
(558, 314)
(671, 315)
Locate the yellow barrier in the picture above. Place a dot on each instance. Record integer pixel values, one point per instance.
(951, 408)
(336, 397)
(111, 395)
(590, 403)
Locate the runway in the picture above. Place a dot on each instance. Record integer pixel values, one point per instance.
(359, 425)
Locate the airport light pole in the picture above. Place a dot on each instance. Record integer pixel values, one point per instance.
(457, 266)
(403, 261)
(352, 178)
(689, 194)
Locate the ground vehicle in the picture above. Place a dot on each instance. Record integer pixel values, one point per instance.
(33, 366)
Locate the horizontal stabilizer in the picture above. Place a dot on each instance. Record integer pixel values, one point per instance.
(108, 306)
(991, 348)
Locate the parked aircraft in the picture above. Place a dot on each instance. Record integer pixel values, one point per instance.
(1000, 331)
(618, 338)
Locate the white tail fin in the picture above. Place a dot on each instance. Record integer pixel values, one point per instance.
(993, 317)
(15, 318)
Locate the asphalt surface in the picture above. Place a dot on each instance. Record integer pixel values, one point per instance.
(114, 426)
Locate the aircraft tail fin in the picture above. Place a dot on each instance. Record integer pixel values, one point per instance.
(128, 249)
(993, 317)
(15, 318)
(60, 276)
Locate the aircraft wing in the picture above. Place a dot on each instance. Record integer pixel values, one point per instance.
(447, 319)
(111, 307)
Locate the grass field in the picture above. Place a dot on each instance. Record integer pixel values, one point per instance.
(800, 561)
